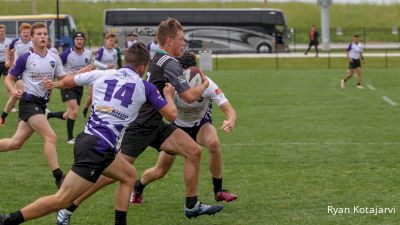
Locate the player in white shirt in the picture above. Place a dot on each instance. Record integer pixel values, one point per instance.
(153, 46)
(106, 58)
(32, 68)
(17, 47)
(354, 54)
(73, 60)
(131, 40)
(4, 43)
(117, 98)
(195, 119)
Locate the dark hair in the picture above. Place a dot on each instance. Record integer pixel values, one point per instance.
(137, 55)
(37, 25)
(168, 29)
(356, 36)
(78, 34)
(187, 59)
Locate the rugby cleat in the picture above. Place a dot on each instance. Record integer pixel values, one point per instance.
(71, 142)
(360, 87)
(136, 198)
(225, 195)
(63, 217)
(202, 209)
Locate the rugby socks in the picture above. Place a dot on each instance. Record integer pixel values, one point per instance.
(72, 207)
(4, 115)
(58, 115)
(358, 84)
(14, 218)
(217, 184)
(84, 112)
(191, 202)
(138, 187)
(120, 217)
(70, 128)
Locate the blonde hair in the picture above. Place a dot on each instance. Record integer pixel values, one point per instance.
(2, 26)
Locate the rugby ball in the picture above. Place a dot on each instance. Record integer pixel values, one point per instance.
(193, 77)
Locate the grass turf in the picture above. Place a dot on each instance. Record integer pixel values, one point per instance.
(301, 144)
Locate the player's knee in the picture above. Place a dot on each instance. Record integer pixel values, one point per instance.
(73, 114)
(51, 137)
(195, 151)
(214, 146)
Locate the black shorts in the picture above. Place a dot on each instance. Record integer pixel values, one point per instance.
(3, 69)
(89, 160)
(192, 131)
(30, 105)
(73, 93)
(355, 64)
(137, 138)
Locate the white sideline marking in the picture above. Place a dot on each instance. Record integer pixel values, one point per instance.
(371, 87)
(389, 101)
(310, 143)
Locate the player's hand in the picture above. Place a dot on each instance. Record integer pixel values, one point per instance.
(169, 90)
(110, 66)
(204, 80)
(18, 93)
(85, 69)
(48, 84)
(227, 126)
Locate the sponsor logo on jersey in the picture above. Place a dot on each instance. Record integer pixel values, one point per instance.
(86, 60)
(218, 91)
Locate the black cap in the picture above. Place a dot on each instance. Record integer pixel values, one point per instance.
(79, 34)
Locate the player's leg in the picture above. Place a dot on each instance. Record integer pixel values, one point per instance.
(65, 214)
(22, 134)
(72, 113)
(73, 186)
(308, 49)
(179, 142)
(207, 136)
(164, 163)
(359, 81)
(40, 124)
(121, 170)
(349, 75)
(316, 49)
(88, 103)
(11, 102)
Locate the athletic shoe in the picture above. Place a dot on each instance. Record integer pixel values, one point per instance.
(360, 87)
(202, 209)
(71, 142)
(60, 181)
(225, 195)
(14, 110)
(136, 198)
(63, 217)
(342, 83)
(2, 122)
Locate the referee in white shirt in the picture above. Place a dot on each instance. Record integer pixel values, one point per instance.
(354, 54)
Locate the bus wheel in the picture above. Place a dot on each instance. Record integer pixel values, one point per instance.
(264, 48)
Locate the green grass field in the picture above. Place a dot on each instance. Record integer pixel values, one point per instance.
(301, 144)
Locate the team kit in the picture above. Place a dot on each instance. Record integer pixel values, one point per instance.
(156, 98)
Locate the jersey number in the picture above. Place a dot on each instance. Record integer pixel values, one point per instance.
(124, 93)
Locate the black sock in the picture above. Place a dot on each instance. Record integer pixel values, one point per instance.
(58, 115)
(120, 217)
(72, 207)
(358, 84)
(57, 174)
(70, 128)
(191, 202)
(14, 218)
(85, 111)
(138, 187)
(4, 115)
(217, 184)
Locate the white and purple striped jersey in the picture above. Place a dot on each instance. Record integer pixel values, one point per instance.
(33, 69)
(74, 61)
(355, 50)
(3, 46)
(20, 47)
(199, 112)
(117, 98)
(105, 57)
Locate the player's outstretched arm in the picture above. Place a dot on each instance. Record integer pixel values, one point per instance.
(169, 111)
(194, 93)
(66, 82)
(230, 117)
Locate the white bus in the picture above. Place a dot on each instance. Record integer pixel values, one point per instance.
(67, 26)
(218, 30)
